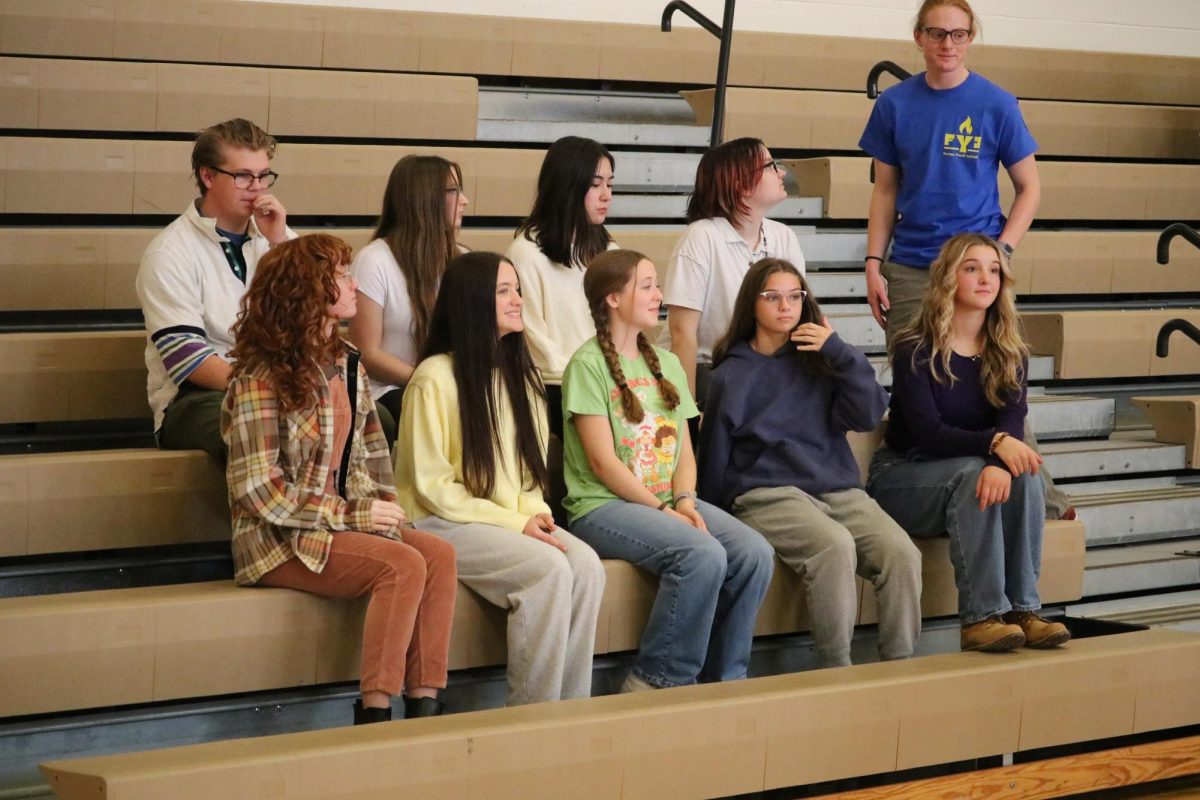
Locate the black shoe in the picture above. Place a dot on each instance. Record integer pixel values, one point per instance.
(423, 707)
(365, 716)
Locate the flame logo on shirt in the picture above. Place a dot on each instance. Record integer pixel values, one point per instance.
(964, 143)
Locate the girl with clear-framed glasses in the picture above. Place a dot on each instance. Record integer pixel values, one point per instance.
(784, 391)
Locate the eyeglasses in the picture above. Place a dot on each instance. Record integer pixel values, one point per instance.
(794, 297)
(244, 180)
(775, 165)
(938, 35)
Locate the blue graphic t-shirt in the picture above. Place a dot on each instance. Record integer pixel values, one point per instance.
(948, 145)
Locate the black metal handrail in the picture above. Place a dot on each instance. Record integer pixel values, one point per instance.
(724, 32)
(1169, 233)
(889, 67)
(1164, 335)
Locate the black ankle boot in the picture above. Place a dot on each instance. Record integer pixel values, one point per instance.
(423, 707)
(365, 716)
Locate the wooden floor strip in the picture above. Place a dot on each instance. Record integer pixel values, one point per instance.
(1058, 777)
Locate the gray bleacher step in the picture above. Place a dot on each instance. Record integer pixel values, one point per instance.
(1137, 515)
(856, 326)
(609, 133)
(655, 172)
(832, 249)
(1176, 610)
(665, 206)
(1126, 453)
(1063, 416)
(1041, 368)
(837, 285)
(1141, 568)
(580, 105)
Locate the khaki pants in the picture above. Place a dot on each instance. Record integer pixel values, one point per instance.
(406, 634)
(906, 288)
(829, 538)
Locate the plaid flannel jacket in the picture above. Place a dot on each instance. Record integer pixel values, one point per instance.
(279, 467)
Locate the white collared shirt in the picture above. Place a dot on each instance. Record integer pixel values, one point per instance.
(706, 272)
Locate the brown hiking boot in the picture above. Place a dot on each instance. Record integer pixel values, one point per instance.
(992, 636)
(1040, 634)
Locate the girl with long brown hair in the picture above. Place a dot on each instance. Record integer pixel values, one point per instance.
(953, 459)
(785, 390)
(310, 482)
(631, 487)
(471, 465)
(399, 271)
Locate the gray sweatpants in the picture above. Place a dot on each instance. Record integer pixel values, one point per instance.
(552, 598)
(827, 539)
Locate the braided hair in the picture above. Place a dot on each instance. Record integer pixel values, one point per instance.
(608, 273)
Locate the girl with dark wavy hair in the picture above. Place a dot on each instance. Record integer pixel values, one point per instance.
(954, 460)
(471, 465)
(785, 390)
(310, 483)
(399, 271)
(553, 245)
(737, 185)
(631, 487)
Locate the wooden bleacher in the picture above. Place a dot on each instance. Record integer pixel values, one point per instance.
(1109, 343)
(703, 741)
(1071, 190)
(158, 68)
(347, 38)
(66, 94)
(179, 498)
(825, 120)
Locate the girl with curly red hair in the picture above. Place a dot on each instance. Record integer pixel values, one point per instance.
(310, 481)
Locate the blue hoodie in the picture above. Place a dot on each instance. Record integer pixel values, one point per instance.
(768, 422)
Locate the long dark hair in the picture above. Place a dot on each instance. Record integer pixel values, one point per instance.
(610, 272)
(743, 324)
(418, 231)
(283, 325)
(464, 325)
(558, 223)
(725, 175)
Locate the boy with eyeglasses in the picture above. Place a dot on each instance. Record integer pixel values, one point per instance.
(192, 278)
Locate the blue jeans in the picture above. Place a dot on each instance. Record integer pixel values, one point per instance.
(710, 586)
(997, 552)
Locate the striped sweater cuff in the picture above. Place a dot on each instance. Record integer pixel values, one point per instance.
(182, 350)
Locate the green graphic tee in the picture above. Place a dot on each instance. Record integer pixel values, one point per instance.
(649, 448)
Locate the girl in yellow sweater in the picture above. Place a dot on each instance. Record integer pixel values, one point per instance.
(471, 467)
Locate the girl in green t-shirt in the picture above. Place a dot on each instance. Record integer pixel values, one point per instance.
(631, 487)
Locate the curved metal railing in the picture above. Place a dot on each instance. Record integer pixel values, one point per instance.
(1169, 233)
(890, 67)
(724, 32)
(1164, 335)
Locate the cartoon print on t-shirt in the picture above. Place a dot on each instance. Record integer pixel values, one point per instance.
(649, 448)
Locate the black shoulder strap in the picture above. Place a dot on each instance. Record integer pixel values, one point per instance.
(352, 392)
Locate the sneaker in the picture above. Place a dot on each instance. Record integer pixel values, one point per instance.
(1070, 515)
(635, 684)
(991, 635)
(1040, 634)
